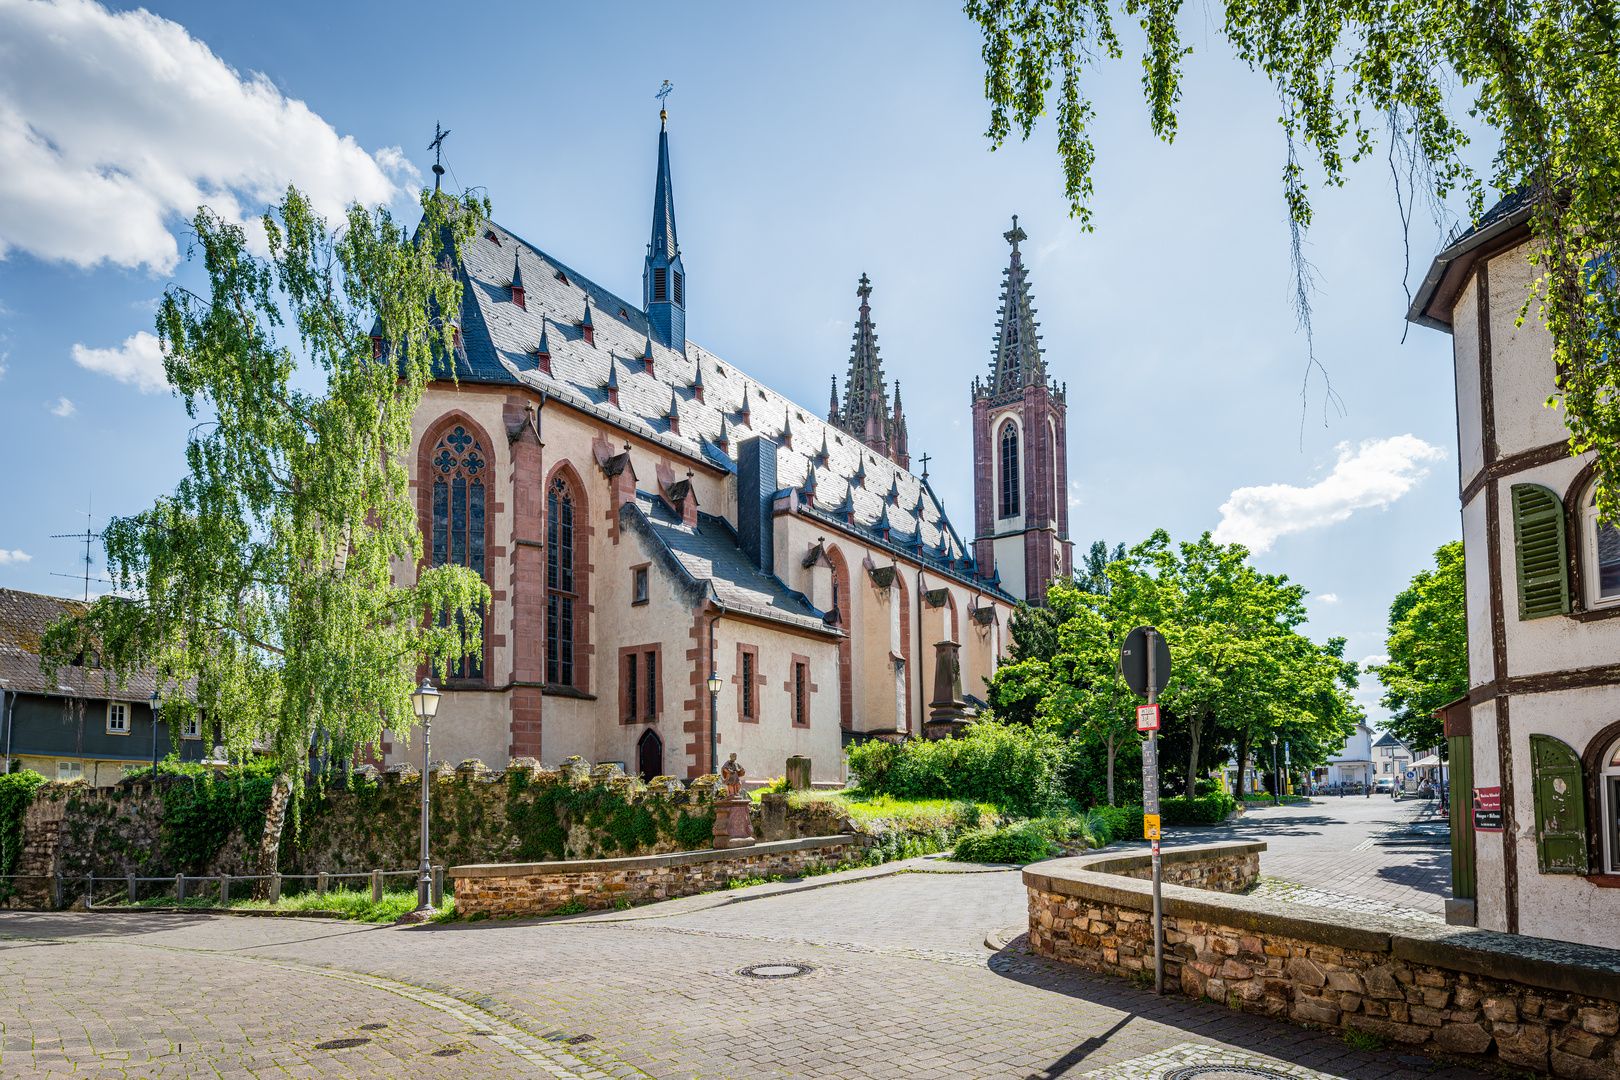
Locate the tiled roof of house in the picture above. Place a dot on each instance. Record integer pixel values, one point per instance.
(500, 342)
(708, 552)
(24, 617)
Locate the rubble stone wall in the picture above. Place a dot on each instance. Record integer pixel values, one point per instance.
(536, 889)
(1501, 999)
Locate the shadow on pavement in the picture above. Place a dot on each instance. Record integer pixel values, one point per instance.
(1074, 1057)
(1425, 871)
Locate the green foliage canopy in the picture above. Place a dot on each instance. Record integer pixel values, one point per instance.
(1542, 75)
(1428, 650)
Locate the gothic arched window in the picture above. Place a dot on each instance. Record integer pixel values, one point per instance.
(458, 465)
(1009, 469)
(560, 593)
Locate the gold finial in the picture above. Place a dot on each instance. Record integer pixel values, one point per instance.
(663, 92)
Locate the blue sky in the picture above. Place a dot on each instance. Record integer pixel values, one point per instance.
(810, 143)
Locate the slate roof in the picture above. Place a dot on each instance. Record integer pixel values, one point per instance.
(24, 616)
(708, 553)
(499, 343)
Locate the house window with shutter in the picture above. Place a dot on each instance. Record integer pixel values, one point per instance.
(1602, 556)
(1560, 806)
(1540, 561)
(1608, 779)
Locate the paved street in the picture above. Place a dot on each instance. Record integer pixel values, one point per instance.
(899, 985)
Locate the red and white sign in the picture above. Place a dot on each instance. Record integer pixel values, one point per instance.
(1487, 809)
(1147, 718)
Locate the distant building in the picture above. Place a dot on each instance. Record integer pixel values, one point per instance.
(79, 722)
(1535, 745)
(1391, 758)
(1353, 762)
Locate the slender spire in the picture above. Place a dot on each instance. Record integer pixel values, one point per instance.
(832, 406)
(898, 443)
(1016, 362)
(866, 396)
(663, 281)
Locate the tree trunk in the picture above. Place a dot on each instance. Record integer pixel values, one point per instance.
(275, 816)
(1112, 750)
(1243, 762)
(1195, 727)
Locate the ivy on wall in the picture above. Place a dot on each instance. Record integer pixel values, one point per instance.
(16, 793)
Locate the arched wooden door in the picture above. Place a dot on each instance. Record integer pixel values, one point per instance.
(650, 756)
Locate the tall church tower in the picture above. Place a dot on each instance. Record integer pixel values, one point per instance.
(1020, 452)
(865, 413)
(663, 282)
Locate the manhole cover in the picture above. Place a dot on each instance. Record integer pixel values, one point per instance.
(1223, 1072)
(340, 1044)
(776, 971)
(372, 1027)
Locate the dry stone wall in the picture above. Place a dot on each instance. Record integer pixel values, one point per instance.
(1516, 1001)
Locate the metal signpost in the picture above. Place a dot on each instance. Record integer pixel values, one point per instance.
(1144, 663)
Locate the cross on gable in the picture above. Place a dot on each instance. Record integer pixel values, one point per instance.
(925, 464)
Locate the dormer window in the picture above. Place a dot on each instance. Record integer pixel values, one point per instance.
(489, 234)
(517, 297)
(562, 277)
(376, 347)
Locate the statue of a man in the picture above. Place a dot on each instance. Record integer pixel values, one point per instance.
(732, 774)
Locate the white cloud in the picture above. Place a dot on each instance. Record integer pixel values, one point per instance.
(1328, 598)
(115, 126)
(139, 362)
(11, 558)
(63, 407)
(1379, 660)
(1374, 474)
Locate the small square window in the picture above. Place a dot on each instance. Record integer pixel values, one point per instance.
(117, 718)
(191, 728)
(639, 589)
(70, 770)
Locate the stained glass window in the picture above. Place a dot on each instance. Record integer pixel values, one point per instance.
(458, 466)
(559, 584)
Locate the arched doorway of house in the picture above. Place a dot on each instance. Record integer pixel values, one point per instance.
(650, 755)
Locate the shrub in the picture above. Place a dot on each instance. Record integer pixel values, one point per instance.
(1204, 810)
(16, 794)
(1118, 822)
(1022, 843)
(1007, 765)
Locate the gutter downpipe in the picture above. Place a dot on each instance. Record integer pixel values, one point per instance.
(10, 713)
(714, 698)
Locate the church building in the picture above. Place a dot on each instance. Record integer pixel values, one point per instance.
(652, 520)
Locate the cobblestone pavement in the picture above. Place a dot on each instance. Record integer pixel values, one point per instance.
(899, 986)
(1330, 844)
(1270, 888)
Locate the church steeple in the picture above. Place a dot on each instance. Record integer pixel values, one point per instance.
(866, 395)
(1016, 361)
(663, 282)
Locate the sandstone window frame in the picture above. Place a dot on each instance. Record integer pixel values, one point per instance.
(749, 682)
(641, 684)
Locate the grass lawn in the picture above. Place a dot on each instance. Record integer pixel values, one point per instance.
(880, 813)
(354, 904)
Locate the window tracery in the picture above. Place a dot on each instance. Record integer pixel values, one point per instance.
(459, 463)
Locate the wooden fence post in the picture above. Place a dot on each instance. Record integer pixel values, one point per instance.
(129, 885)
(224, 889)
(179, 888)
(376, 886)
(320, 883)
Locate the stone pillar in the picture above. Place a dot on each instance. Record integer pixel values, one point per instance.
(947, 712)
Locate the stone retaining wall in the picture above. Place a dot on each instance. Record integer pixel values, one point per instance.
(1525, 1002)
(541, 888)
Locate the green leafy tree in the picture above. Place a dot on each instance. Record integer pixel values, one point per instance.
(1542, 76)
(264, 585)
(1428, 650)
(1084, 694)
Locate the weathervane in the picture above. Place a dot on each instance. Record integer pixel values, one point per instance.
(664, 92)
(437, 146)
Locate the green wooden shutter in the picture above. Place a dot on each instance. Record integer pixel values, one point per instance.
(1560, 806)
(1461, 755)
(1539, 552)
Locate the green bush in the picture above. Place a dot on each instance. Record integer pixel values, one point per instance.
(1022, 843)
(1205, 810)
(1007, 765)
(1118, 822)
(16, 793)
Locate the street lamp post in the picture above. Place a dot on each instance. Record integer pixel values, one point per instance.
(425, 703)
(156, 701)
(714, 716)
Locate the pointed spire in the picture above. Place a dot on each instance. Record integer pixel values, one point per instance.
(587, 327)
(826, 451)
(724, 438)
(1017, 358)
(893, 495)
(647, 358)
(899, 448)
(674, 412)
(833, 416)
(612, 384)
(744, 411)
(517, 281)
(663, 283)
(866, 397)
(807, 490)
(884, 525)
(697, 382)
(859, 479)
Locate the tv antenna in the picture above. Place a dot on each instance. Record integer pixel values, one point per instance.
(87, 536)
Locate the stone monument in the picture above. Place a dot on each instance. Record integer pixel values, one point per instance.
(731, 825)
(948, 714)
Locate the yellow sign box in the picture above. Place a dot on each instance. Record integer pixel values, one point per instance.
(1150, 826)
